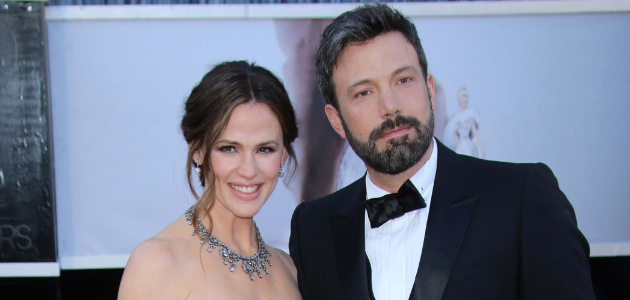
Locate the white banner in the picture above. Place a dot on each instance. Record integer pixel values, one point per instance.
(549, 88)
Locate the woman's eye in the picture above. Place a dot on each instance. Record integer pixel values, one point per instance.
(266, 150)
(227, 149)
(363, 94)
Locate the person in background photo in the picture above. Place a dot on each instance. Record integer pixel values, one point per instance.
(424, 222)
(298, 41)
(239, 125)
(463, 128)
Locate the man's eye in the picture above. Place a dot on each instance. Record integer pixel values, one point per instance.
(404, 80)
(363, 93)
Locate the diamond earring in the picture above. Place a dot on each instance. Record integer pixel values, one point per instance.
(197, 168)
(280, 173)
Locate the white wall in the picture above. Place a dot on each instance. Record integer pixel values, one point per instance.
(549, 88)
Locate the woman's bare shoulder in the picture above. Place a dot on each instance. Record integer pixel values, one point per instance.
(154, 268)
(150, 271)
(285, 259)
(153, 253)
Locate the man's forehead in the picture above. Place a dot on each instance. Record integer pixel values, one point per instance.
(366, 71)
(390, 44)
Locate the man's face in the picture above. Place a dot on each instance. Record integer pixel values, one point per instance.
(385, 103)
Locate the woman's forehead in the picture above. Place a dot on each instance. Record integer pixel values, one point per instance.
(253, 123)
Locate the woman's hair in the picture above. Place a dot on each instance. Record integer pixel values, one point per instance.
(208, 110)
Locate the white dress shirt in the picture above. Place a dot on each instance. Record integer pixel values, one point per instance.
(394, 249)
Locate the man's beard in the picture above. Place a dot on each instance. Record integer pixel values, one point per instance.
(401, 152)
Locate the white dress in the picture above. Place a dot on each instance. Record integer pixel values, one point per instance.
(466, 118)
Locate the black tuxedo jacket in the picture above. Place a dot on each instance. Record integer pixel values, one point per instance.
(495, 231)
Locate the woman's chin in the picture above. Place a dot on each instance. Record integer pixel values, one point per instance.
(246, 213)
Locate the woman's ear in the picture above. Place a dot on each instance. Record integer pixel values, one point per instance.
(198, 156)
(285, 155)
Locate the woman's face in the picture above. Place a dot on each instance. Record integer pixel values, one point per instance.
(463, 98)
(246, 160)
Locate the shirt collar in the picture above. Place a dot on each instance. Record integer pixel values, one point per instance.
(422, 180)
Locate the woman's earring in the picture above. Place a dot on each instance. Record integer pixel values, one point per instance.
(280, 173)
(197, 168)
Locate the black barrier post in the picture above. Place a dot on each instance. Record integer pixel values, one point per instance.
(27, 211)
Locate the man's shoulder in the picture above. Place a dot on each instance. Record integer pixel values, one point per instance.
(483, 174)
(330, 204)
(467, 165)
(493, 167)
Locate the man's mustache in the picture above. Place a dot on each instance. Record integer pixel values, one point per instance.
(389, 124)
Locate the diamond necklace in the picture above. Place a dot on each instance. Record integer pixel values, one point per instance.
(250, 264)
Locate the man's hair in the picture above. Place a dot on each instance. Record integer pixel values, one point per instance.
(360, 25)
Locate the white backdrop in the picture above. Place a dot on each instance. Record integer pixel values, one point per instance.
(548, 88)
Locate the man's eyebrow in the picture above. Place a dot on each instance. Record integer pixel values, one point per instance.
(357, 83)
(396, 72)
(403, 69)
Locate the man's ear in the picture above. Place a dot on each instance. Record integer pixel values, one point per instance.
(335, 120)
(431, 90)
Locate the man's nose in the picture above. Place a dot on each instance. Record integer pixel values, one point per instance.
(390, 106)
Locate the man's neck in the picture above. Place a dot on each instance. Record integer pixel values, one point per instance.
(392, 183)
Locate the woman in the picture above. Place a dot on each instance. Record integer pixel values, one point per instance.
(239, 125)
(461, 132)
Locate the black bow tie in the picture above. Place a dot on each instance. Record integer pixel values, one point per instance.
(391, 206)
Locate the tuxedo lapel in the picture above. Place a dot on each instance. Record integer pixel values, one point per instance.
(348, 234)
(450, 210)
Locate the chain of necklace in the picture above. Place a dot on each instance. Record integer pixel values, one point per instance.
(250, 264)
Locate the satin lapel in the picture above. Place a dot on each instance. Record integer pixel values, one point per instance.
(450, 211)
(348, 234)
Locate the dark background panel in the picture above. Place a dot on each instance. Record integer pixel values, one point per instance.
(27, 227)
(611, 277)
(98, 284)
(46, 288)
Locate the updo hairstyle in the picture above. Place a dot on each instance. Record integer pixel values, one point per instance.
(208, 110)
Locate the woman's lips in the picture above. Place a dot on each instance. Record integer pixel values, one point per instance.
(246, 192)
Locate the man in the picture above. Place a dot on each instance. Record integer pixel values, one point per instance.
(424, 222)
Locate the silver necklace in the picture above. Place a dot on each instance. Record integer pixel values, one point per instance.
(250, 264)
